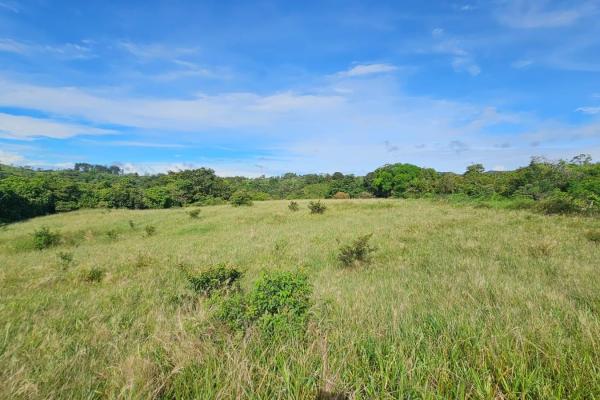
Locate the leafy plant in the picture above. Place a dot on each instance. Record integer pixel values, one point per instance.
(316, 207)
(112, 234)
(65, 259)
(293, 206)
(593, 235)
(194, 213)
(150, 230)
(216, 279)
(131, 224)
(44, 238)
(279, 302)
(94, 275)
(356, 252)
(241, 198)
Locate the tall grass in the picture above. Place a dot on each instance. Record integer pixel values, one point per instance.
(457, 302)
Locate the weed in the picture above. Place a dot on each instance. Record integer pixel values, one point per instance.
(216, 279)
(150, 230)
(194, 213)
(142, 261)
(316, 207)
(293, 206)
(112, 234)
(44, 238)
(94, 275)
(131, 224)
(593, 236)
(356, 252)
(65, 259)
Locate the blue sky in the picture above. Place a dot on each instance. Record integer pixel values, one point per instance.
(266, 87)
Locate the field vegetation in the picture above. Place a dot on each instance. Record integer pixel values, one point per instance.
(373, 298)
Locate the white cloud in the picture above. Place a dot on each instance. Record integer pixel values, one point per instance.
(588, 110)
(10, 158)
(13, 46)
(10, 6)
(156, 50)
(462, 60)
(24, 127)
(530, 14)
(520, 64)
(368, 69)
(62, 51)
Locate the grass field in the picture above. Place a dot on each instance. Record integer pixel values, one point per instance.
(457, 302)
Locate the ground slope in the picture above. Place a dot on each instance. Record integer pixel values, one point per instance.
(457, 302)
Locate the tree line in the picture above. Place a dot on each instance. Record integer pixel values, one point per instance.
(551, 186)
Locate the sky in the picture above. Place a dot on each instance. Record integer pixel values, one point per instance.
(267, 87)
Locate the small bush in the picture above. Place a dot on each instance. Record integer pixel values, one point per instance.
(112, 234)
(65, 259)
(356, 252)
(194, 213)
(559, 203)
(131, 224)
(593, 236)
(366, 195)
(316, 207)
(293, 206)
(278, 303)
(143, 260)
(341, 196)
(216, 279)
(94, 275)
(241, 198)
(44, 238)
(150, 230)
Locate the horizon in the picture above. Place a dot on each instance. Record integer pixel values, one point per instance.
(318, 87)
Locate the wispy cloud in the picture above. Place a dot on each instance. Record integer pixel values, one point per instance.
(10, 158)
(368, 69)
(23, 127)
(520, 64)
(530, 14)
(462, 60)
(588, 110)
(150, 51)
(10, 6)
(80, 50)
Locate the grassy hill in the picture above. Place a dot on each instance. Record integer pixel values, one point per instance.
(455, 302)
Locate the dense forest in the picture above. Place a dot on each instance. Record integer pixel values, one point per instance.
(547, 186)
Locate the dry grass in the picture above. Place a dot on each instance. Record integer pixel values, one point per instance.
(457, 302)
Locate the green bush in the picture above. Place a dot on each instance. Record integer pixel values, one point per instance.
(131, 224)
(65, 259)
(220, 279)
(150, 230)
(559, 203)
(44, 238)
(316, 207)
(293, 206)
(278, 303)
(593, 235)
(112, 234)
(194, 213)
(356, 252)
(94, 275)
(241, 198)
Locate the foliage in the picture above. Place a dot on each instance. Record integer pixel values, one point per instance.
(112, 234)
(150, 230)
(593, 235)
(293, 206)
(241, 198)
(219, 278)
(194, 213)
(278, 303)
(44, 238)
(356, 252)
(65, 259)
(341, 196)
(316, 207)
(94, 275)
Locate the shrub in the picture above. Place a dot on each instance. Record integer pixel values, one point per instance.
(44, 238)
(341, 196)
(194, 213)
(112, 234)
(278, 303)
(216, 279)
(131, 224)
(316, 207)
(65, 259)
(142, 261)
(559, 203)
(94, 275)
(241, 198)
(366, 195)
(150, 230)
(593, 236)
(293, 206)
(356, 252)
